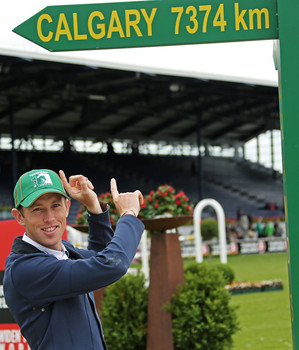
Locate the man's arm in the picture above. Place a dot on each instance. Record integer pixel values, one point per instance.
(42, 279)
(80, 188)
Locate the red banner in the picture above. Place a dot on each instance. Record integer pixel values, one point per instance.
(10, 334)
(11, 338)
(9, 229)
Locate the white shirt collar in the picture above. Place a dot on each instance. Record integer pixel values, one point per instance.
(60, 255)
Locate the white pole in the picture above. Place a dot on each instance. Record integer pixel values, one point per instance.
(221, 228)
(144, 255)
(197, 233)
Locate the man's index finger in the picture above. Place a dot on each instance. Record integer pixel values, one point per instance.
(114, 189)
(63, 179)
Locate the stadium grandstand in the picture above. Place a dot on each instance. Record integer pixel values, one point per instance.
(235, 183)
(144, 128)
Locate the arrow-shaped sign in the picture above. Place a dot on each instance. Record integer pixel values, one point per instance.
(150, 23)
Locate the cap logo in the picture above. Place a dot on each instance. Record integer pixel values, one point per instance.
(41, 179)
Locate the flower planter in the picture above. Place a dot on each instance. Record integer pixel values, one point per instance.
(155, 224)
(166, 223)
(166, 273)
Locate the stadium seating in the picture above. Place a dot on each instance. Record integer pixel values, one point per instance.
(233, 182)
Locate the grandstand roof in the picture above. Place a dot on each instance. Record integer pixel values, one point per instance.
(59, 99)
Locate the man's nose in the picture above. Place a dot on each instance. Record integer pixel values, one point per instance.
(48, 215)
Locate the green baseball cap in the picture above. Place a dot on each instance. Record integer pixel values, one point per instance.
(34, 184)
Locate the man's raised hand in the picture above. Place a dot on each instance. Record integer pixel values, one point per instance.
(81, 189)
(126, 203)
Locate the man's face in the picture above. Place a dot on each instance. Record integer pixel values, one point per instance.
(45, 219)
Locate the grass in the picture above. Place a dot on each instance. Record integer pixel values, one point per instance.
(264, 318)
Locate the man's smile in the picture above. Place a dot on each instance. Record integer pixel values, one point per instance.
(50, 229)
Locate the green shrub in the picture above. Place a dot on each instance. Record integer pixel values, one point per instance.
(202, 316)
(209, 229)
(194, 268)
(227, 272)
(124, 314)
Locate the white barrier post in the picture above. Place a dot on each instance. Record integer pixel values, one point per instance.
(221, 228)
(144, 255)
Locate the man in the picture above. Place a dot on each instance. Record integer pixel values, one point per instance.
(48, 283)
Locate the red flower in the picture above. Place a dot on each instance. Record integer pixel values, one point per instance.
(143, 205)
(164, 200)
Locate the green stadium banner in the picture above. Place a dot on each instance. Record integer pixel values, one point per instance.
(150, 23)
(287, 64)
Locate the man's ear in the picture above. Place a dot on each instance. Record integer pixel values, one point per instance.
(68, 204)
(18, 216)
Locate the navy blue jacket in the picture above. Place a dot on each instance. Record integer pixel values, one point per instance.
(52, 300)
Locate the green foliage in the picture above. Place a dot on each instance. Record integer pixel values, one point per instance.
(264, 318)
(124, 314)
(202, 316)
(165, 201)
(226, 270)
(209, 229)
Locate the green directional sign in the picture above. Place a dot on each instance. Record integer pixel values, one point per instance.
(150, 23)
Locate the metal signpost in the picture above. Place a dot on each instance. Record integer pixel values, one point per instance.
(156, 23)
(287, 62)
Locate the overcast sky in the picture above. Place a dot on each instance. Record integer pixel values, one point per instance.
(252, 61)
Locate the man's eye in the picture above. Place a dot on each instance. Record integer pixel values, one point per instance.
(36, 209)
